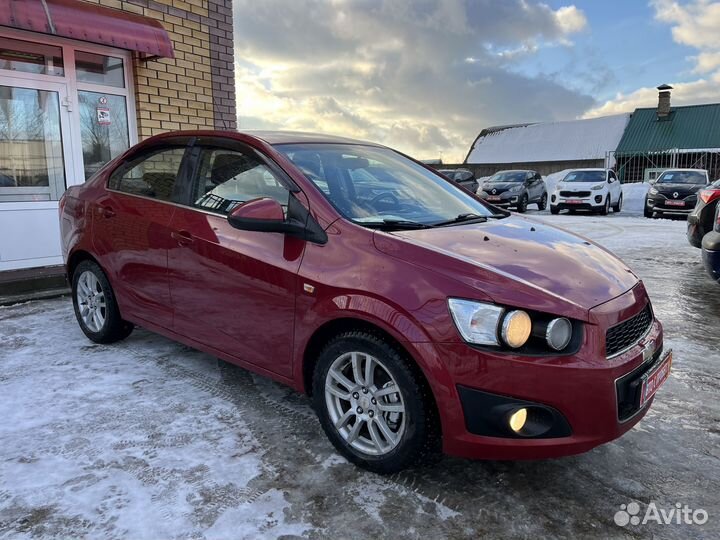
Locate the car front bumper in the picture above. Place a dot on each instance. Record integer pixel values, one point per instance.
(594, 202)
(661, 206)
(504, 201)
(586, 404)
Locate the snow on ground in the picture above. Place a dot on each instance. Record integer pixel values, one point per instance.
(151, 439)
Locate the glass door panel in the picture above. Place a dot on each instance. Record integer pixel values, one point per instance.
(103, 129)
(32, 167)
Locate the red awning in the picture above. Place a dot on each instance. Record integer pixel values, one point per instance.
(88, 22)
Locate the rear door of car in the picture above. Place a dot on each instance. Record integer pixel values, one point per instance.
(614, 186)
(234, 290)
(131, 228)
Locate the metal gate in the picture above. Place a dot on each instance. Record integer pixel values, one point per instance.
(632, 167)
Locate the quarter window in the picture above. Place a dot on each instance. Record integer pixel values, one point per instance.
(228, 178)
(151, 175)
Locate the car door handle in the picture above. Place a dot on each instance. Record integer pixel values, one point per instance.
(182, 237)
(107, 212)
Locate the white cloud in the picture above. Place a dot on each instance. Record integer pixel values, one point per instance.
(421, 75)
(694, 24)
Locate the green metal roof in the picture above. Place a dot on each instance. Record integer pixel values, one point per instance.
(691, 127)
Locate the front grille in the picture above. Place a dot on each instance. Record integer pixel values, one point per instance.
(626, 334)
(497, 191)
(575, 194)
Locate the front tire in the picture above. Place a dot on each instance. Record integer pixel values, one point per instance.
(605, 210)
(648, 213)
(373, 407)
(95, 305)
(554, 210)
(523, 204)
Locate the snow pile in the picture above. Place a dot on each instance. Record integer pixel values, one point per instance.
(551, 180)
(634, 197)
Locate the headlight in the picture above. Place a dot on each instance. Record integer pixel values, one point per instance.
(477, 322)
(487, 324)
(598, 187)
(515, 189)
(558, 333)
(516, 328)
(653, 191)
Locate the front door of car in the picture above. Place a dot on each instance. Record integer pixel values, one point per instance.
(131, 229)
(234, 290)
(537, 187)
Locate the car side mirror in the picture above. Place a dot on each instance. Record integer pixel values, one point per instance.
(266, 215)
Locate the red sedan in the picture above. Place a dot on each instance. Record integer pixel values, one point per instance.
(418, 317)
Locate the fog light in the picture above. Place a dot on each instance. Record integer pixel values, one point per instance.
(517, 420)
(598, 199)
(516, 329)
(558, 333)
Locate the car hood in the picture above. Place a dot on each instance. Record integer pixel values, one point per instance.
(680, 188)
(501, 185)
(577, 186)
(518, 261)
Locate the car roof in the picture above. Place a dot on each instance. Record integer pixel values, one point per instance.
(589, 169)
(689, 169)
(301, 137)
(513, 170)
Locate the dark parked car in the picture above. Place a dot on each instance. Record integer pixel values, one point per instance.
(701, 219)
(515, 189)
(464, 177)
(711, 248)
(675, 192)
(418, 317)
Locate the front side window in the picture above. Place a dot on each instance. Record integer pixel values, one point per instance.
(228, 178)
(682, 177)
(150, 175)
(372, 186)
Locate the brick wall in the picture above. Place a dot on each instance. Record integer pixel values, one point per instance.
(196, 89)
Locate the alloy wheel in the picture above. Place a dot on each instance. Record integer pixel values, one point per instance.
(91, 301)
(365, 403)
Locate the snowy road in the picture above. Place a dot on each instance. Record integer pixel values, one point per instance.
(149, 439)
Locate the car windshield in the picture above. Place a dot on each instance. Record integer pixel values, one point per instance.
(450, 173)
(508, 176)
(376, 186)
(682, 177)
(585, 176)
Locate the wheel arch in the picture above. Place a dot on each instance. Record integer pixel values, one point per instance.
(327, 331)
(75, 258)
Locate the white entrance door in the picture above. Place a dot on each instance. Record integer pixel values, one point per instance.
(35, 157)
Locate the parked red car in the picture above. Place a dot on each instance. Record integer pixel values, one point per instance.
(417, 316)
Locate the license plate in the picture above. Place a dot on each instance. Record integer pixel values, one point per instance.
(573, 201)
(493, 198)
(653, 380)
(675, 203)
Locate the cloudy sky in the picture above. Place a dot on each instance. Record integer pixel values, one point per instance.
(425, 76)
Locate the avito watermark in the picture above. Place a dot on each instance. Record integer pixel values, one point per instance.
(680, 514)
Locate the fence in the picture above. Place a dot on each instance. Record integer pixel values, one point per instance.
(632, 167)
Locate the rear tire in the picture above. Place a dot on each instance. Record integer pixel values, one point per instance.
(542, 204)
(378, 429)
(95, 305)
(618, 206)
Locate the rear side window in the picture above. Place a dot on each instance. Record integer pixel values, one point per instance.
(151, 175)
(228, 178)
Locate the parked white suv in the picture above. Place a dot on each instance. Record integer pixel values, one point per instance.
(596, 190)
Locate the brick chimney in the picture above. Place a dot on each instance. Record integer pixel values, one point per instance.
(663, 109)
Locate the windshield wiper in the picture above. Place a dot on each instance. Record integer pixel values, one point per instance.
(462, 218)
(389, 223)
